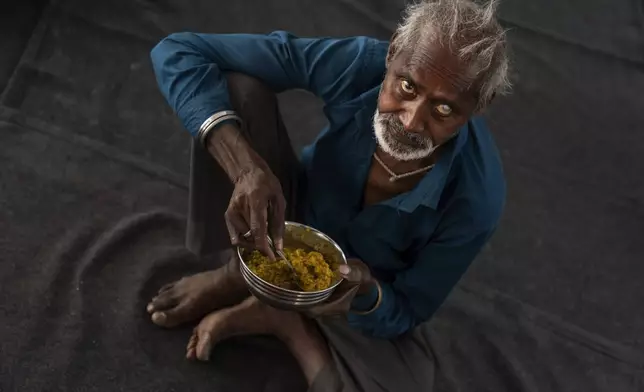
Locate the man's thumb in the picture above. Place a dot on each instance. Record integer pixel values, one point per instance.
(348, 273)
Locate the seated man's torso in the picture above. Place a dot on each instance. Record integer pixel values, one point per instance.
(383, 223)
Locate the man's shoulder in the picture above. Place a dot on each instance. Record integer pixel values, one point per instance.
(359, 59)
(481, 174)
(372, 45)
(372, 54)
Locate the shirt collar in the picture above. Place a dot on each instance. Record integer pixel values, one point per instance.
(430, 188)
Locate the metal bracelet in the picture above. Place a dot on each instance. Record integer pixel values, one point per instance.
(376, 306)
(214, 120)
(206, 124)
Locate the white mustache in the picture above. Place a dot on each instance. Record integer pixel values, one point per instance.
(393, 124)
(386, 126)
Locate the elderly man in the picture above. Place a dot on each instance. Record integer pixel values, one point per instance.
(406, 178)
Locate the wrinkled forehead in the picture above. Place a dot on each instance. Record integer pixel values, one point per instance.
(426, 62)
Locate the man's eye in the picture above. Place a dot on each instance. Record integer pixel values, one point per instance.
(406, 87)
(444, 110)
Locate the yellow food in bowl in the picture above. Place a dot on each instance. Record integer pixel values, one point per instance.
(313, 272)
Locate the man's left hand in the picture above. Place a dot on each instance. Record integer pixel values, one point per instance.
(357, 280)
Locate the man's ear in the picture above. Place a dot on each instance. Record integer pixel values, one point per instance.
(391, 52)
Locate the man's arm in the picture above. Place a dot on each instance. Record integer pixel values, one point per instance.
(418, 292)
(189, 68)
(190, 71)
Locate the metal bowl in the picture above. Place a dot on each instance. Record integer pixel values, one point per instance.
(296, 235)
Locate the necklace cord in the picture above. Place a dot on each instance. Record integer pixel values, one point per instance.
(395, 177)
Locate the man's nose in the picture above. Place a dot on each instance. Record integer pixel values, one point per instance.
(412, 119)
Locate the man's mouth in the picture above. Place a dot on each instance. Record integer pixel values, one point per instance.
(410, 139)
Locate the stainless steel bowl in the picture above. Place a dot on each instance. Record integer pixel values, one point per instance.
(300, 236)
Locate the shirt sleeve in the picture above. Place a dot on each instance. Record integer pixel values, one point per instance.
(416, 293)
(189, 68)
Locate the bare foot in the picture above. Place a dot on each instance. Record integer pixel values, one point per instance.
(251, 317)
(192, 297)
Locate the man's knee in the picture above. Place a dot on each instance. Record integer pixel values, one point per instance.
(246, 90)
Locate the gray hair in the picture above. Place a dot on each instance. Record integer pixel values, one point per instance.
(469, 30)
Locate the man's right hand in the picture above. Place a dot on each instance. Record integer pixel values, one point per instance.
(257, 203)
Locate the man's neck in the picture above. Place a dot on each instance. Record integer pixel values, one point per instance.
(406, 166)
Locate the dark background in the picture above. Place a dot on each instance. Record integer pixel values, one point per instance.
(93, 186)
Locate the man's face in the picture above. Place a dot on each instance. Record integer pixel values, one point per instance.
(422, 104)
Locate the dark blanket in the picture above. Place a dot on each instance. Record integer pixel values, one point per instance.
(85, 250)
(93, 174)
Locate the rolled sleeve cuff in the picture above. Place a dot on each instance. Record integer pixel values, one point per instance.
(195, 115)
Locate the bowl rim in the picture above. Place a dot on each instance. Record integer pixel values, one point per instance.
(293, 301)
(287, 304)
(300, 293)
(259, 284)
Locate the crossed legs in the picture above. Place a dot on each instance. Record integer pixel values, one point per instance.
(219, 297)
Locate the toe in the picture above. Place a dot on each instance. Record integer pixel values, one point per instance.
(171, 317)
(166, 287)
(210, 330)
(162, 302)
(192, 345)
(159, 318)
(204, 346)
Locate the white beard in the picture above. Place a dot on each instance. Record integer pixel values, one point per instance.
(395, 149)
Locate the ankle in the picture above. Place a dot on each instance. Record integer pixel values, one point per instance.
(299, 334)
(233, 277)
(309, 348)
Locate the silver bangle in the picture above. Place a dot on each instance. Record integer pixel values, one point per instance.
(214, 120)
(206, 124)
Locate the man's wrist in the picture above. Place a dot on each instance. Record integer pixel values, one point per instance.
(226, 133)
(232, 151)
(366, 298)
(215, 121)
(367, 287)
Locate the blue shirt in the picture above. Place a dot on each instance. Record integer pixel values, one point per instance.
(418, 244)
